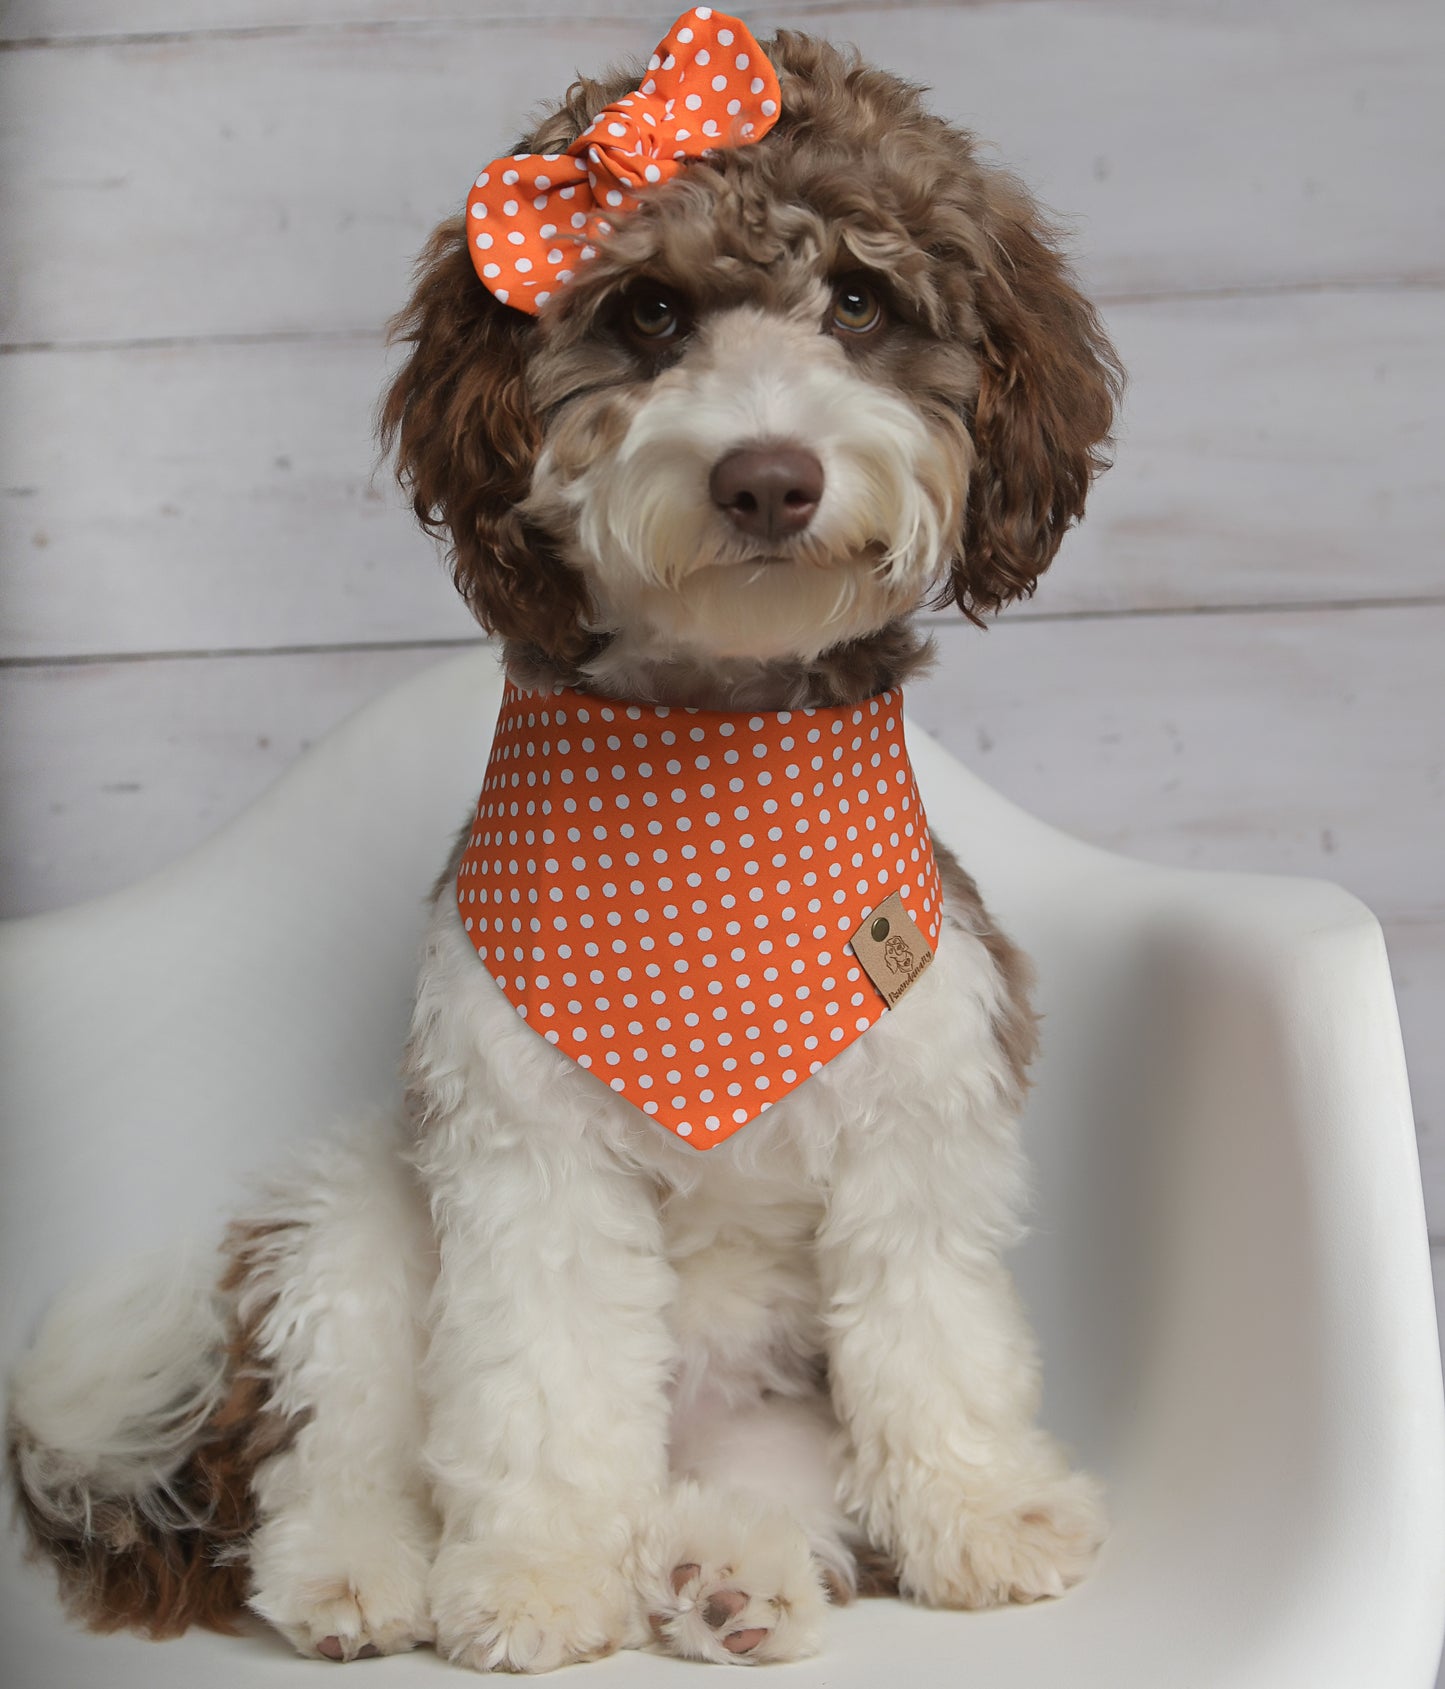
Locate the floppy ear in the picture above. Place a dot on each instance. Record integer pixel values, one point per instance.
(466, 440)
(1049, 382)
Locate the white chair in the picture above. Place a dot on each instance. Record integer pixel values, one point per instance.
(1228, 1271)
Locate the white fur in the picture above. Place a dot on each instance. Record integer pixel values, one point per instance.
(669, 571)
(347, 1532)
(617, 1318)
(123, 1373)
(557, 1374)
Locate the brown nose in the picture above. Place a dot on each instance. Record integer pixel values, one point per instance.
(768, 491)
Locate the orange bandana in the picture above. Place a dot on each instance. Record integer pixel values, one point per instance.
(668, 895)
(530, 217)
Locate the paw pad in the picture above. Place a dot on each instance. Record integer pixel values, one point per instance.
(331, 1648)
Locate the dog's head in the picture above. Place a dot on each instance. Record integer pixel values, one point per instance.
(808, 384)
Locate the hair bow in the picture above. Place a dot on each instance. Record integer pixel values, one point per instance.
(533, 217)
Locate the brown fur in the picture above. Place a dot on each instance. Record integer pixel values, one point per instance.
(846, 674)
(990, 338)
(1017, 1026)
(987, 336)
(126, 1571)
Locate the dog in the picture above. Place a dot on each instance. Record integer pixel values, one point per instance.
(557, 1363)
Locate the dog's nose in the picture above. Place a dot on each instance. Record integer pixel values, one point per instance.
(768, 491)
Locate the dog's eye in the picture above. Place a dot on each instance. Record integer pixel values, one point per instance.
(856, 308)
(653, 314)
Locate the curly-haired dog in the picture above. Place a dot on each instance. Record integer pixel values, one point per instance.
(529, 1375)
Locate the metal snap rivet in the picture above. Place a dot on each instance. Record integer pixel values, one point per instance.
(879, 929)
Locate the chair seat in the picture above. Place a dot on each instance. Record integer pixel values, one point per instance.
(1228, 1270)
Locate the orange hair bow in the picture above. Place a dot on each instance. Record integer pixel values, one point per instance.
(532, 217)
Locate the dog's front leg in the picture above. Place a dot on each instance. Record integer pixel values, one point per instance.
(546, 1382)
(934, 1371)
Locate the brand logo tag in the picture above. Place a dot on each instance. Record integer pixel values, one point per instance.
(894, 953)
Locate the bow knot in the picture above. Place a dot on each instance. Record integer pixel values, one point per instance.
(532, 218)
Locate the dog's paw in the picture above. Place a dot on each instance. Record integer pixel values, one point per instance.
(500, 1608)
(986, 1545)
(726, 1577)
(345, 1595)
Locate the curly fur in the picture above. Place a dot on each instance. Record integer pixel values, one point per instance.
(993, 346)
(520, 1375)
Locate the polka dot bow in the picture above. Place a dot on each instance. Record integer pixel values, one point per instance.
(532, 218)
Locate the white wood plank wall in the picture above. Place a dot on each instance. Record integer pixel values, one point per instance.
(210, 209)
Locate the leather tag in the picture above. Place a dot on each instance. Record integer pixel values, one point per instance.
(894, 953)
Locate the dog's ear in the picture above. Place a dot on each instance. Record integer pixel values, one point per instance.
(466, 438)
(1049, 382)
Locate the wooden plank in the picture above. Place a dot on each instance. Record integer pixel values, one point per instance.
(217, 496)
(1297, 742)
(255, 185)
(206, 497)
(112, 770)
(1278, 450)
(65, 21)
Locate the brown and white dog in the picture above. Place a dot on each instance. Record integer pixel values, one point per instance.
(522, 1375)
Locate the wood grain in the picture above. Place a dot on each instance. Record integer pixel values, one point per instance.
(66, 21)
(206, 497)
(1288, 742)
(259, 185)
(110, 771)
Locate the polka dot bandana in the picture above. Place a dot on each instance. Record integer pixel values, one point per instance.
(533, 217)
(667, 895)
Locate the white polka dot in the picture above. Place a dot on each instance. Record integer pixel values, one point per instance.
(510, 208)
(555, 256)
(769, 107)
(490, 270)
(683, 35)
(693, 102)
(652, 173)
(719, 83)
(524, 264)
(725, 38)
(509, 177)
(757, 85)
(540, 203)
(613, 197)
(702, 56)
(516, 237)
(483, 179)
(502, 294)
(484, 240)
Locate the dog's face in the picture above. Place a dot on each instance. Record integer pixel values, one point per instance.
(804, 386)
